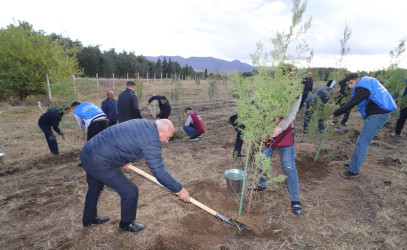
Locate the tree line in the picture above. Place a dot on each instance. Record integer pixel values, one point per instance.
(27, 56)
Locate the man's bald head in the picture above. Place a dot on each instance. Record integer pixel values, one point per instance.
(110, 95)
(165, 129)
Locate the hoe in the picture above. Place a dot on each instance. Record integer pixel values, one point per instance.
(230, 221)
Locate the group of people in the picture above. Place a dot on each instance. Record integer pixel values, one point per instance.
(117, 137)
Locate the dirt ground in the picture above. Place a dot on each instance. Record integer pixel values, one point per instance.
(42, 196)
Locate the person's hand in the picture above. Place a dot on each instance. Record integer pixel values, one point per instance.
(127, 166)
(107, 119)
(148, 104)
(276, 132)
(64, 137)
(183, 195)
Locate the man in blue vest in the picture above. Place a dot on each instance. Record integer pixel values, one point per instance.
(375, 104)
(89, 117)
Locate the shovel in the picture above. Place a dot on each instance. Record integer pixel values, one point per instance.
(151, 112)
(230, 221)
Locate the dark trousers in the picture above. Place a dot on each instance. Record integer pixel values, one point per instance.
(96, 127)
(117, 181)
(51, 138)
(345, 116)
(308, 115)
(303, 98)
(401, 121)
(111, 123)
(238, 143)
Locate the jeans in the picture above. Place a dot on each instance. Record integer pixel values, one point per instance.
(401, 121)
(189, 130)
(127, 190)
(288, 162)
(372, 125)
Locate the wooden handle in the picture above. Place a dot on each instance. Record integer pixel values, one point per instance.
(192, 200)
(69, 144)
(152, 114)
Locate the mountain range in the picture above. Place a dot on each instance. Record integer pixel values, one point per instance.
(210, 63)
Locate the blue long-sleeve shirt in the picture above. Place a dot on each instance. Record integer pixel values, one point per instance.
(110, 109)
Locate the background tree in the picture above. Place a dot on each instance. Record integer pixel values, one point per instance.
(26, 56)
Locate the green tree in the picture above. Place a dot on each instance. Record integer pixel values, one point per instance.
(26, 56)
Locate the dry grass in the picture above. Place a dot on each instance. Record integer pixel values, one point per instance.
(41, 197)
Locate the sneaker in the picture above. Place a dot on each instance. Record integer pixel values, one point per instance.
(395, 135)
(339, 129)
(349, 175)
(200, 136)
(59, 154)
(193, 138)
(237, 154)
(296, 207)
(344, 124)
(255, 188)
(345, 165)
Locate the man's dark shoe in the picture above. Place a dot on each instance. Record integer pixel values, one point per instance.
(297, 209)
(236, 154)
(97, 220)
(349, 175)
(345, 165)
(132, 226)
(344, 124)
(256, 188)
(395, 135)
(193, 138)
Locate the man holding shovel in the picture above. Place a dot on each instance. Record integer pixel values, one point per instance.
(116, 147)
(49, 119)
(164, 105)
(89, 117)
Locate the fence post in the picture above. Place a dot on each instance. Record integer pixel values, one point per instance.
(97, 81)
(49, 88)
(161, 77)
(114, 85)
(147, 78)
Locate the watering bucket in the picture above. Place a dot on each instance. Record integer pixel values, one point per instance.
(234, 180)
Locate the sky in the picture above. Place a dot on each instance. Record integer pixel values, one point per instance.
(224, 29)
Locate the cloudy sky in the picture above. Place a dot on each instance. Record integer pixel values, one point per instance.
(225, 29)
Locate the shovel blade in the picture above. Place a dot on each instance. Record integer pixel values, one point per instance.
(240, 225)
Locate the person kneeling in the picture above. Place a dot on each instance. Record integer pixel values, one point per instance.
(194, 126)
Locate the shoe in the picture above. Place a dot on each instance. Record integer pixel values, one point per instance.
(59, 154)
(297, 209)
(395, 135)
(97, 220)
(80, 164)
(339, 129)
(345, 165)
(237, 154)
(200, 136)
(133, 227)
(344, 124)
(193, 138)
(256, 188)
(349, 175)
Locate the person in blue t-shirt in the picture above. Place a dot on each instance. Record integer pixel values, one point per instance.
(375, 104)
(89, 117)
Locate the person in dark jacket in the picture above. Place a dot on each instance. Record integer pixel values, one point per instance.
(164, 104)
(343, 96)
(116, 147)
(109, 107)
(315, 104)
(128, 103)
(375, 104)
(403, 114)
(49, 119)
(308, 85)
(237, 151)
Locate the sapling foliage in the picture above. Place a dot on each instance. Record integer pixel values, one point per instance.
(271, 92)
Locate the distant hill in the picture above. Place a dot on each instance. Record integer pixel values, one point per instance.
(210, 63)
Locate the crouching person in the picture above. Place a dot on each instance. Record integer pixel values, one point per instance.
(116, 147)
(194, 126)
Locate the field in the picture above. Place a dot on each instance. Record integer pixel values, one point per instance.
(42, 196)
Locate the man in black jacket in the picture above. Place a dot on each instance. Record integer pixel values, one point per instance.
(308, 84)
(49, 119)
(164, 104)
(128, 103)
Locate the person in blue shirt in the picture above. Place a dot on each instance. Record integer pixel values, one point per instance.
(403, 114)
(50, 120)
(89, 117)
(315, 104)
(109, 107)
(375, 105)
(115, 148)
